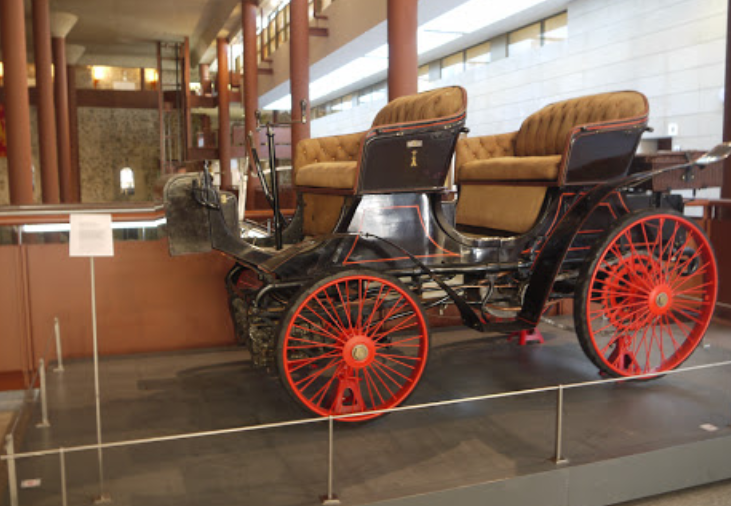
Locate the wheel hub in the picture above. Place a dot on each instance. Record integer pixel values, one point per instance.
(359, 351)
(660, 299)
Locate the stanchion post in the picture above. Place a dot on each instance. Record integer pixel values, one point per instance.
(12, 475)
(44, 396)
(62, 463)
(558, 458)
(103, 497)
(59, 350)
(330, 499)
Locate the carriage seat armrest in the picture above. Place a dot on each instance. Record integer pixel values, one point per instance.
(337, 148)
(485, 147)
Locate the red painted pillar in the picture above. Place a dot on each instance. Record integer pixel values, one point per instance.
(224, 120)
(62, 120)
(17, 108)
(74, 134)
(299, 67)
(403, 64)
(726, 188)
(46, 115)
(251, 82)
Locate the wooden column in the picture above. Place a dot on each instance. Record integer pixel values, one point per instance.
(74, 133)
(63, 134)
(224, 120)
(251, 83)
(403, 65)
(17, 108)
(299, 67)
(726, 188)
(46, 115)
(188, 125)
(160, 109)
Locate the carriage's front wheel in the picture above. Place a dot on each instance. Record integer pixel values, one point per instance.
(351, 343)
(646, 294)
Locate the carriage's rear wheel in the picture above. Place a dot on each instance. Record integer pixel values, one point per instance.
(353, 342)
(646, 294)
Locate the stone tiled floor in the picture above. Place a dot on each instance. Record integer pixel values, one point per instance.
(401, 454)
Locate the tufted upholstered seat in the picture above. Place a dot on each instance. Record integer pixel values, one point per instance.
(535, 156)
(327, 169)
(333, 162)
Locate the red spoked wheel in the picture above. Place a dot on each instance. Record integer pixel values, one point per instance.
(353, 342)
(646, 294)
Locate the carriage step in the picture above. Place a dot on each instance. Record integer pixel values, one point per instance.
(527, 336)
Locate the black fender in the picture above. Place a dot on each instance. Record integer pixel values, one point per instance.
(548, 263)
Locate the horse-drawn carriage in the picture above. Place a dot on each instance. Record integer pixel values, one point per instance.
(334, 302)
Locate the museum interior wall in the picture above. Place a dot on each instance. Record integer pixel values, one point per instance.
(675, 55)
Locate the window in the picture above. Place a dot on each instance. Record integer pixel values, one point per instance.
(555, 29)
(344, 104)
(478, 56)
(525, 39)
(372, 93)
(452, 65)
(424, 80)
(127, 181)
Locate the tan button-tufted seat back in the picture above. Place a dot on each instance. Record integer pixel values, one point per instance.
(429, 105)
(546, 131)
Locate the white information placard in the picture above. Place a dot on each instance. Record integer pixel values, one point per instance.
(91, 235)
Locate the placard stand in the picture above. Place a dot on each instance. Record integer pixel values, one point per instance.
(91, 236)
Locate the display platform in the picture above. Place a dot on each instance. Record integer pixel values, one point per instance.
(623, 441)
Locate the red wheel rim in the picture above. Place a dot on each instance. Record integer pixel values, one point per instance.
(356, 344)
(651, 295)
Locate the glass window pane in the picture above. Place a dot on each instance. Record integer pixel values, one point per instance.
(424, 80)
(365, 96)
(478, 56)
(452, 65)
(555, 29)
(347, 103)
(524, 39)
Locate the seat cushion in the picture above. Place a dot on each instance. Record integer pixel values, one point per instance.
(511, 208)
(511, 168)
(336, 175)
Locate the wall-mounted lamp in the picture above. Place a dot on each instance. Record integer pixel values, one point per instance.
(152, 78)
(97, 74)
(2, 73)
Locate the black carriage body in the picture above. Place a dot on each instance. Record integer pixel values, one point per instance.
(396, 220)
(397, 226)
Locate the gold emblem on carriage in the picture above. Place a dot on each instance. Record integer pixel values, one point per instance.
(414, 152)
(413, 158)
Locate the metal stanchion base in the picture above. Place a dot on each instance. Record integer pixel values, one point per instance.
(43, 425)
(329, 501)
(559, 462)
(102, 499)
(58, 369)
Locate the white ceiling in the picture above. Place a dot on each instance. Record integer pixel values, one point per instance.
(118, 31)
